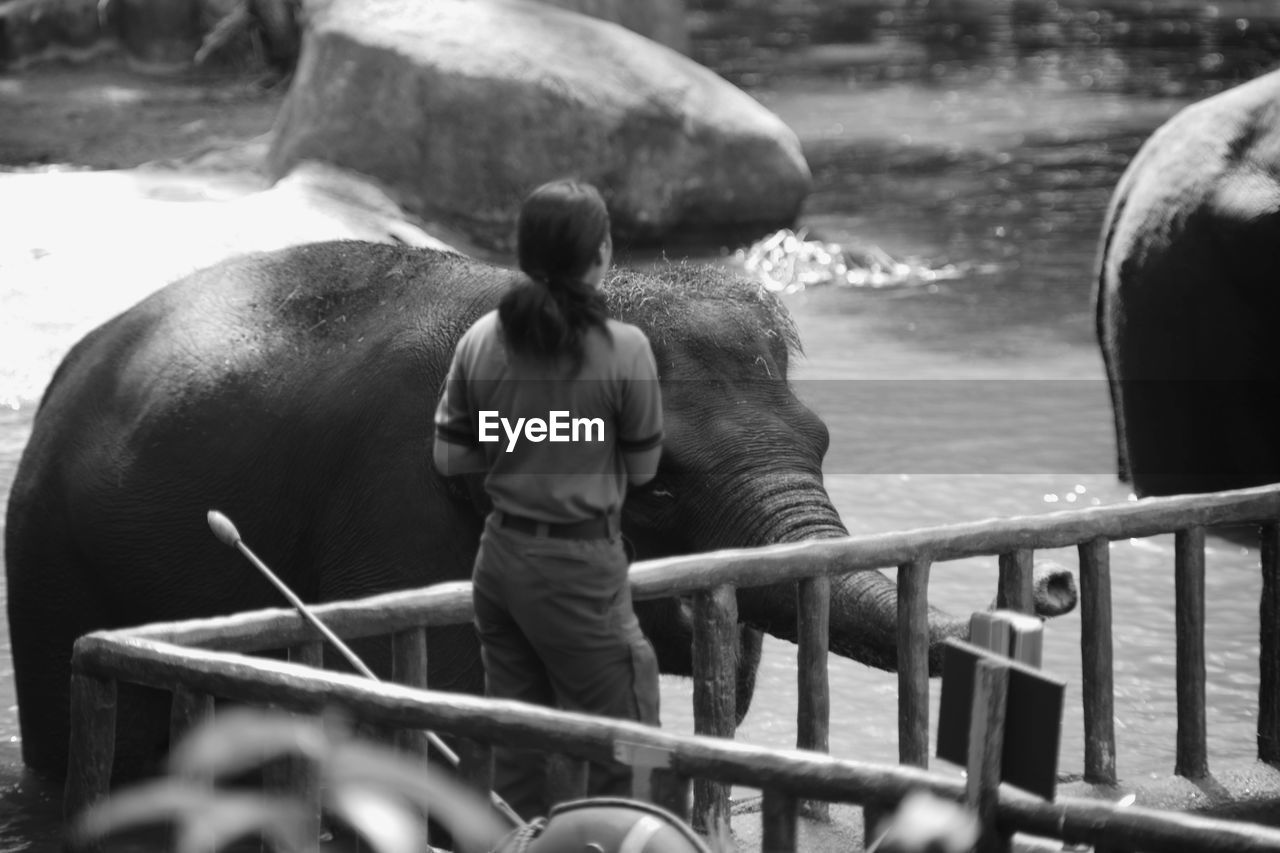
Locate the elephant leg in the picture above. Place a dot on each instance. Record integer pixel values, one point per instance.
(1102, 325)
(1200, 435)
(750, 643)
(43, 632)
(666, 623)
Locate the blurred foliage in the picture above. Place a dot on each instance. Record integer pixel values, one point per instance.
(924, 823)
(383, 796)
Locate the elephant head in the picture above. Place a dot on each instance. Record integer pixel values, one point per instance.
(742, 467)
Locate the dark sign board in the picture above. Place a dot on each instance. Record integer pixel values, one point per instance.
(1032, 722)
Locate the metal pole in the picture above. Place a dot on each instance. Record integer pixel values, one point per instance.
(227, 533)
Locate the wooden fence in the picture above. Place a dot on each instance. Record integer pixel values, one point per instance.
(185, 657)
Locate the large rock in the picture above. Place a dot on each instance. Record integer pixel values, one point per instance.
(461, 107)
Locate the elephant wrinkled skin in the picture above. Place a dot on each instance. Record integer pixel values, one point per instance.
(1186, 295)
(294, 391)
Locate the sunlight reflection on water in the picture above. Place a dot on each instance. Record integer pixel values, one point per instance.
(789, 262)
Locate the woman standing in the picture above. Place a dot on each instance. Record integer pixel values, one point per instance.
(559, 406)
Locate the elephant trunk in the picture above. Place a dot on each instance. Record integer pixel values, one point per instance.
(864, 605)
(864, 616)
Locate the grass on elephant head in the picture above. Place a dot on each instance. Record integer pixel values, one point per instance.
(672, 291)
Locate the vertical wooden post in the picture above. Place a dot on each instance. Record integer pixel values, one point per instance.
(1097, 674)
(986, 749)
(645, 762)
(872, 818)
(92, 744)
(1269, 647)
(671, 791)
(778, 816)
(715, 676)
(913, 663)
(1192, 758)
(813, 711)
(1017, 581)
(308, 654)
(189, 709)
(303, 779)
(477, 764)
(577, 775)
(409, 666)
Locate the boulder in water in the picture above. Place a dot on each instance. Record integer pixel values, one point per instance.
(461, 107)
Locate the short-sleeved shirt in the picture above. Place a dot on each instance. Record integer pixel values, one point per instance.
(563, 462)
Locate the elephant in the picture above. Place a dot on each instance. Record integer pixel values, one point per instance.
(1186, 293)
(294, 390)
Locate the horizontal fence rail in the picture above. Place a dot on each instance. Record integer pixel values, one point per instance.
(710, 580)
(102, 660)
(450, 603)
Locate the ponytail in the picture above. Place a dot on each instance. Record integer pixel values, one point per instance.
(562, 228)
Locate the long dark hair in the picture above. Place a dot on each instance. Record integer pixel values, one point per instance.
(561, 228)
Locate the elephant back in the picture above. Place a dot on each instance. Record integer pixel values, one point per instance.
(293, 390)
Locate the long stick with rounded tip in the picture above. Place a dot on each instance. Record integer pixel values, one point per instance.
(226, 531)
(228, 535)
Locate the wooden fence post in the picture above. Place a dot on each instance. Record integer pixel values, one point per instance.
(813, 687)
(671, 791)
(778, 816)
(574, 774)
(646, 762)
(715, 676)
(913, 663)
(1269, 647)
(189, 710)
(1192, 758)
(301, 777)
(1017, 581)
(92, 744)
(913, 676)
(1097, 673)
(986, 750)
(477, 764)
(409, 667)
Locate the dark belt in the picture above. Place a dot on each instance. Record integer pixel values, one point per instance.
(592, 528)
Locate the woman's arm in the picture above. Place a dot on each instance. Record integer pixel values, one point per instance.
(640, 422)
(642, 465)
(453, 458)
(456, 449)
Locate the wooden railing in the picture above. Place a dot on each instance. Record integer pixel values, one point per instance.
(711, 580)
(784, 776)
(1091, 531)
